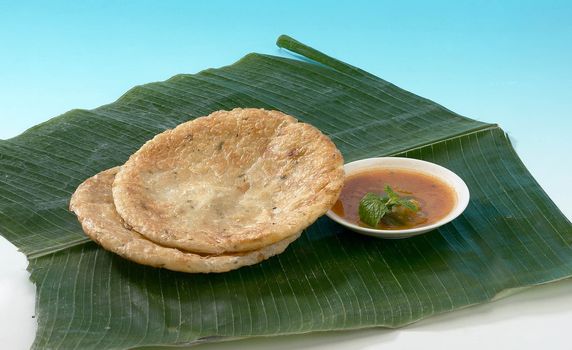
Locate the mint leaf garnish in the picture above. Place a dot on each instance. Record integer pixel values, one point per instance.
(409, 204)
(393, 197)
(373, 207)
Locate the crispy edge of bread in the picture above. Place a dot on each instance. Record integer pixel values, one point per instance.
(93, 205)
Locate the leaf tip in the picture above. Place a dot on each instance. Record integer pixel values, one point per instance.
(284, 41)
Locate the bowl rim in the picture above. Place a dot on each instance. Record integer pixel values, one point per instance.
(460, 187)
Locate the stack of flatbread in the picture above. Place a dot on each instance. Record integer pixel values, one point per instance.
(213, 194)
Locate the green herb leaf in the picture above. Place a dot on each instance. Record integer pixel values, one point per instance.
(371, 209)
(393, 197)
(409, 204)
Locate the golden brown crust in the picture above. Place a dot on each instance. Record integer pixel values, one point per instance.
(230, 182)
(92, 202)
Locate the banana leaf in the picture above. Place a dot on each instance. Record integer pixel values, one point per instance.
(511, 236)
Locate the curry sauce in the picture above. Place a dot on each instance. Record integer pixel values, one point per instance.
(434, 197)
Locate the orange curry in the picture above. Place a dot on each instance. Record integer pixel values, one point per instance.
(434, 197)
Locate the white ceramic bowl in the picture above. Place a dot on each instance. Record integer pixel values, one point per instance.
(444, 174)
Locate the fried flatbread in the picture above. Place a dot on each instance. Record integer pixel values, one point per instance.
(93, 204)
(233, 181)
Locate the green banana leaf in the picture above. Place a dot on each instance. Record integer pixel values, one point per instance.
(510, 237)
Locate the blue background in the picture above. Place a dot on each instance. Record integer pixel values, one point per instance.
(499, 61)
